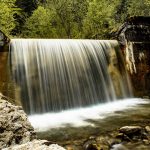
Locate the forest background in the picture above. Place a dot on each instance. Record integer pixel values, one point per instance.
(90, 19)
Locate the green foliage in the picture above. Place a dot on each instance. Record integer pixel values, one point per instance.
(121, 13)
(64, 19)
(67, 18)
(27, 6)
(7, 11)
(139, 8)
(100, 18)
(26, 9)
(39, 25)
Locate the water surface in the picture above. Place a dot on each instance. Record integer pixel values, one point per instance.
(79, 125)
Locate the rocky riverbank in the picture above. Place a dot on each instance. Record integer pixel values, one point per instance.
(16, 132)
(125, 138)
(36, 145)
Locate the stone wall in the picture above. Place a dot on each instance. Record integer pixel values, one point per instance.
(136, 30)
(6, 84)
(141, 79)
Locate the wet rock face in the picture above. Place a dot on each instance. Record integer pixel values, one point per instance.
(128, 130)
(14, 125)
(36, 145)
(141, 80)
(135, 134)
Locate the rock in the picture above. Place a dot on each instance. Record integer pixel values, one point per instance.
(113, 142)
(92, 138)
(119, 135)
(98, 143)
(74, 147)
(90, 145)
(128, 130)
(14, 125)
(132, 133)
(69, 147)
(35, 145)
(16, 132)
(147, 129)
(55, 147)
(126, 138)
(144, 135)
(136, 146)
(118, 147)
(146, 142)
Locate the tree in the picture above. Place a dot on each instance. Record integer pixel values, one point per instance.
(39, 25)
(62, 18)
(7, 11)
(139, 8)
(26, 9)
(69, 16)
(100, 19)
(122, 11)
(27, 6)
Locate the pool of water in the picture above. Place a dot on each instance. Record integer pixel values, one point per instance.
(78, 125)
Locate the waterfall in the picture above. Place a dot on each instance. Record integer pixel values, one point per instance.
(56, 75)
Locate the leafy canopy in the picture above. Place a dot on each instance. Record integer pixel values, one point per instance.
(67, 18)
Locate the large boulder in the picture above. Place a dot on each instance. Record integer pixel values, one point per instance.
(14, 125)
(130, 130)
(36, 145)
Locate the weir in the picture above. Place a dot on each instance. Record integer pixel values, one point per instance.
(56, 75)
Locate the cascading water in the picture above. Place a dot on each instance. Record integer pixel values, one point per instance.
(56, 75)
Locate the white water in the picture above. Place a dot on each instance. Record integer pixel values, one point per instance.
(78, 117)
(55, 75)
(61, 77)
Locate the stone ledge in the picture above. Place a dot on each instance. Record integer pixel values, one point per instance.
(35, 145)
(14, 125)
